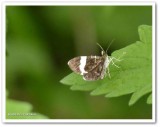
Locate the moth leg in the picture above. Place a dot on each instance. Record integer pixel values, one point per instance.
(111, 59)
(116, 59)
(115, 64)
(108, 72)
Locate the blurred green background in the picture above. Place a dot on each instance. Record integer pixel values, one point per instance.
(41, 39)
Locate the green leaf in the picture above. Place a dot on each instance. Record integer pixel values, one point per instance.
(145, 33)
(78, 83)
(133, 76)
(21, 110)
(140, 92)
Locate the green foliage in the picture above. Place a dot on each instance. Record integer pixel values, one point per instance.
(20, 110)
(133, 76)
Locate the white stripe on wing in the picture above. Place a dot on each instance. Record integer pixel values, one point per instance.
(82, 64)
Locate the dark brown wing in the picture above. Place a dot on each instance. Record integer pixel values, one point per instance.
(91, 62)
(94, 69)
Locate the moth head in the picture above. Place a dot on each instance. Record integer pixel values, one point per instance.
(102, 52)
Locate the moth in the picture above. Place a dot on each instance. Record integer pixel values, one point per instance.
(92, 67)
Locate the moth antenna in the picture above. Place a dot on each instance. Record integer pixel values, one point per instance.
(100, 46)
(110, 45)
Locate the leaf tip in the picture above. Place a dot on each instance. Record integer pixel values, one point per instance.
(149, 99)
(63, 81)
(131, 103)
(93, 93)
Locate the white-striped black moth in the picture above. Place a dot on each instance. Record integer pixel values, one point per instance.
(92, 67)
